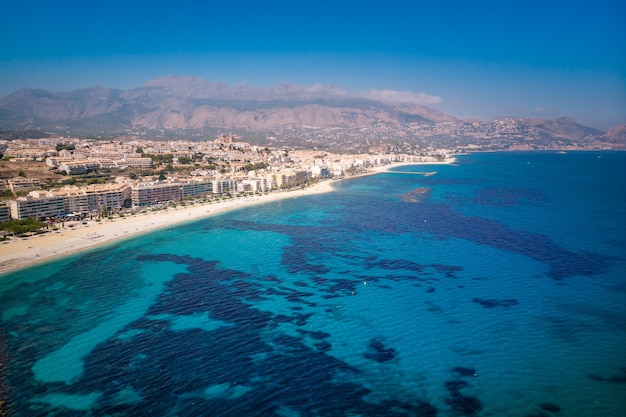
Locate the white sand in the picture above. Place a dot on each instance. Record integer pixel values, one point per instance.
(17, 254)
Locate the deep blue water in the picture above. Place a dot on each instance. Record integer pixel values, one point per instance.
(496, 287)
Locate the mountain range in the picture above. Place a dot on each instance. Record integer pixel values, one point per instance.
(189, 107)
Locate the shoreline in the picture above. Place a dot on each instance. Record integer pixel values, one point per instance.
(28, 252)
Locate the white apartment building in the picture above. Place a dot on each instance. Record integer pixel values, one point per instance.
(147, 194)
(70, 199)
(37, 205)
(135, 162)
(195, 188)
(224, 186)
(318, 171)
(79, 167)
(255, 185)
(92, 198)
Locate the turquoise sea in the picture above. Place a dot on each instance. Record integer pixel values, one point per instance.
(493, 287)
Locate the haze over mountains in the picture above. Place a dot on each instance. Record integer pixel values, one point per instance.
(191, 103)
(189, 107)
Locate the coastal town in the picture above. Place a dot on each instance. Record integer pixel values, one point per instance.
(92, 179)
(63, 195)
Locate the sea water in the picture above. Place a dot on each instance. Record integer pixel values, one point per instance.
(492, 287)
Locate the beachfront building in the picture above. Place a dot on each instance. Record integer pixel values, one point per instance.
(37, 205)
(286, 178)
(245, 186)
(337, 170)
(71, 200)
(193, 188)
(95, 198)
(319, 171)
(223, 186)
(151, 193)
(255, 185)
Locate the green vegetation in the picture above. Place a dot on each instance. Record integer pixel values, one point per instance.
(353, 170)
(66, 146)
(91, 181)
(253, 167)
(159, 159)
(6, 194)
(20, 227)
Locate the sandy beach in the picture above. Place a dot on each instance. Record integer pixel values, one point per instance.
(20, 253)
(25, 252)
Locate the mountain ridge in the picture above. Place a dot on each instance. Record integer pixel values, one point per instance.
(175, 94)
(193, 107)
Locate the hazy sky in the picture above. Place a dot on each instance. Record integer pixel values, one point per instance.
(475, 58)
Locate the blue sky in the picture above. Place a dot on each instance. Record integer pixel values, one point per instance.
(473, 59)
